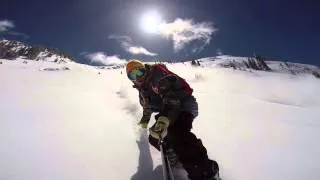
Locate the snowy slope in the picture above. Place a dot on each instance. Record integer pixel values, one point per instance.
(81, 124)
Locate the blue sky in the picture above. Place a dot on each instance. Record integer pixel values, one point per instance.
(103, 29)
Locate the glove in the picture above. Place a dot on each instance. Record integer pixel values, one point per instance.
(143, 125)
(159, 130)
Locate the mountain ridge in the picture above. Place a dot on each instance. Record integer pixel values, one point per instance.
(12, 49)
(257, 64)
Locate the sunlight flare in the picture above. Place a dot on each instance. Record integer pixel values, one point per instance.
(150, 22)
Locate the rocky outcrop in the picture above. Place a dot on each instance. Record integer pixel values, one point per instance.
(14, 49)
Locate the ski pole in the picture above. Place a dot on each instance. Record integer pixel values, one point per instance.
(167, 170)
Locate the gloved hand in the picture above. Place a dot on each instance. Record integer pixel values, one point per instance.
(160, 128)
(143, 125)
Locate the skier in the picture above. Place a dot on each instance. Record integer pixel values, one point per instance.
(162, 91)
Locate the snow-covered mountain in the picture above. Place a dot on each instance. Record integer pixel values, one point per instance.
(12, 50)
(258, 64)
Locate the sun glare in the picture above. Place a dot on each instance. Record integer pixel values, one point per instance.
(150, 21)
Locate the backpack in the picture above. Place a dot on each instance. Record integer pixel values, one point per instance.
(163, 68)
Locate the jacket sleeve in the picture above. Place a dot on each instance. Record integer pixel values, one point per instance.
(146, 116)
(147, 112)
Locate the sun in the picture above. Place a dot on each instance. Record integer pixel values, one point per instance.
(150, 21)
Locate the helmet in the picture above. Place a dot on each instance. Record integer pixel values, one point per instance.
(135, 69)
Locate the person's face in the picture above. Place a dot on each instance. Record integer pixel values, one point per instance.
(136, 76)
(139, 81)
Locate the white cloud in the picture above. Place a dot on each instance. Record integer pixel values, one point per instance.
(84, 53)
(136, 49)
(23, 35)
(5, 25)
(127, 44)
(100, 57)
(140, 50)
(219, 52)
(183, 32)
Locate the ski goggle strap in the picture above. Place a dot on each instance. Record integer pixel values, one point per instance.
(136, 74)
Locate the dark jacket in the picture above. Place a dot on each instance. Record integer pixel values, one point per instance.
(165, 92)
